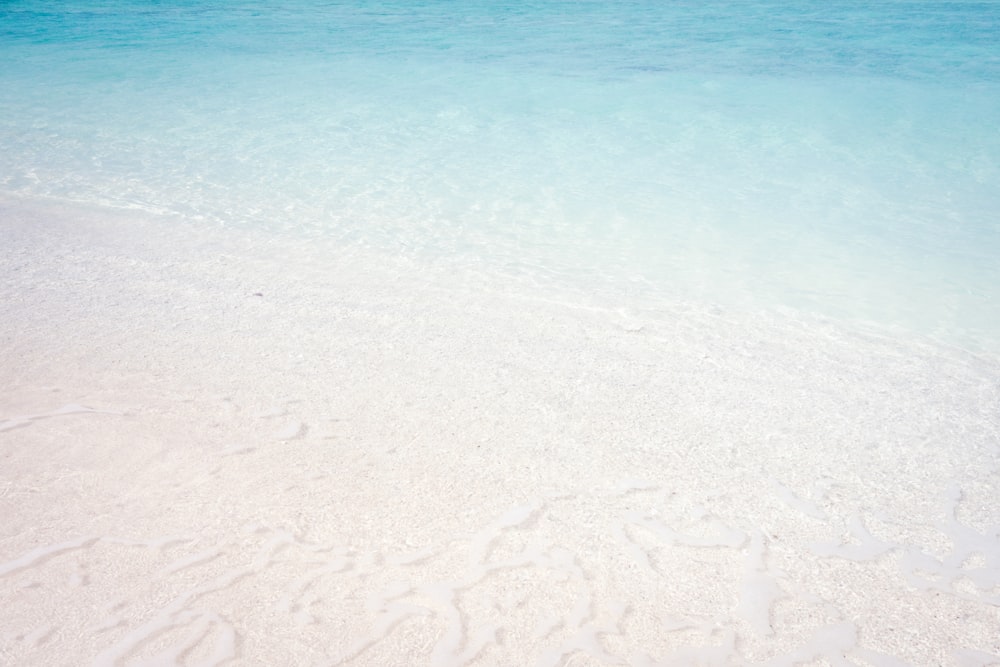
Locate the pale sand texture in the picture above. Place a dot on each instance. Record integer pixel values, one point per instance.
(382, 461)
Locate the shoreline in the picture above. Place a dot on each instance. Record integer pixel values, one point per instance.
(281, 449)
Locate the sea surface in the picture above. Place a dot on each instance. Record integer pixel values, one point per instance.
(840, 158)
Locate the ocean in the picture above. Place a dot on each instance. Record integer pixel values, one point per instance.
(839, 158)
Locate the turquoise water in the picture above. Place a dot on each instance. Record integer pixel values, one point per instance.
(841, 158)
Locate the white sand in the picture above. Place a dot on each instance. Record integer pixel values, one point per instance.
(377, 461)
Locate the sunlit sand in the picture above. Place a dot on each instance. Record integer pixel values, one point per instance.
(228, 448)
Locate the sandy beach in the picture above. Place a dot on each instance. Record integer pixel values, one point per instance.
(221, 447)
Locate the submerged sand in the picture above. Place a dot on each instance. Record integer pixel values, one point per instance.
(223, 447)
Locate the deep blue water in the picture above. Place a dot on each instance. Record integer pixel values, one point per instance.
(837, 157)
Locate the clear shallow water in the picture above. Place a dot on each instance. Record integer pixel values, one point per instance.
(842, 158)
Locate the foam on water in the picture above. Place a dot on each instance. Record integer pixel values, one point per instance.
(840, 159)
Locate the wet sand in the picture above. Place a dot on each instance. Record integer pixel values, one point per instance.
(223, 447)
